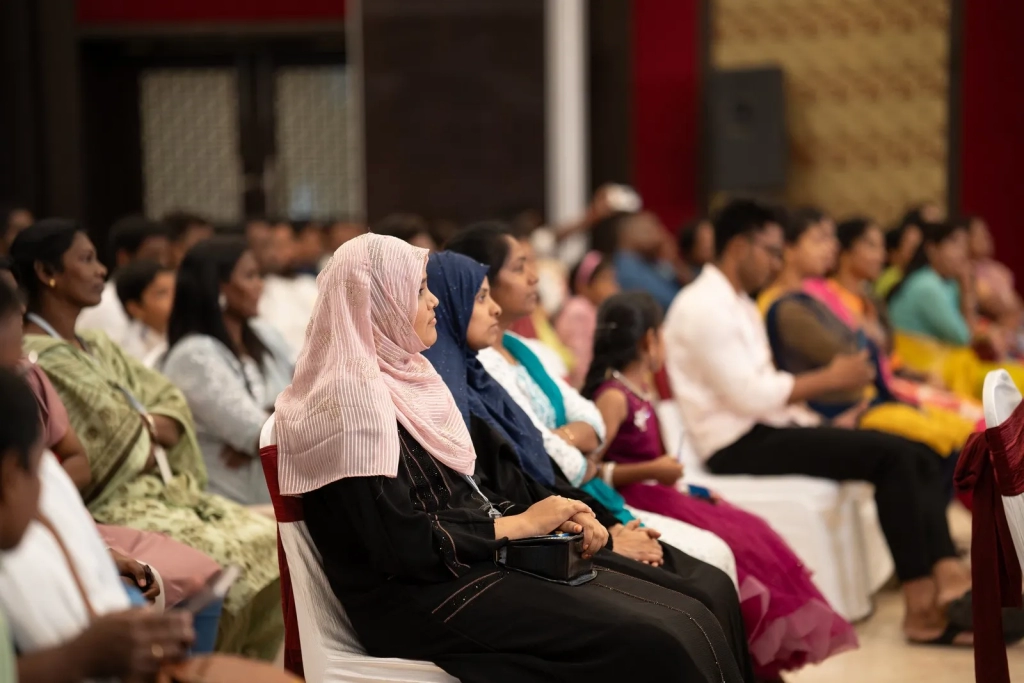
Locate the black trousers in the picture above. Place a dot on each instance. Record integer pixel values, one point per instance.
(908, 480)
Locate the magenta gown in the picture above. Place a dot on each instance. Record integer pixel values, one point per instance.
(789, 623)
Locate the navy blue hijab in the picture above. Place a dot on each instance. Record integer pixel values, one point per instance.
(455, 280)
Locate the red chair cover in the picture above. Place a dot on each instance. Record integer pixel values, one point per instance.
(287, 509)
(992, 465)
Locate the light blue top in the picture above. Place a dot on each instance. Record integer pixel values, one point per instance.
(634, 273)
(929, 305)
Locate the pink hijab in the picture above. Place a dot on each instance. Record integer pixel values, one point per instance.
(362, 369)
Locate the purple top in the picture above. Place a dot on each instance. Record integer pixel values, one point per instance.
(639, 437)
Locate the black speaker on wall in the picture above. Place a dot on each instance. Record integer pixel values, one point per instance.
(748, 130)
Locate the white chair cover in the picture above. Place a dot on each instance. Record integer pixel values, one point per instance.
(1001, 397)
(833, 528)
(331, 651)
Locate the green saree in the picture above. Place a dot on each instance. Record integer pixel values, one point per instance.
(123, 493)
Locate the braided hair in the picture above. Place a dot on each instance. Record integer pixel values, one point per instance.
(623, 321)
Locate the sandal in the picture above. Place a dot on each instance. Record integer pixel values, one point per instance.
(961, 613)
(947, 638)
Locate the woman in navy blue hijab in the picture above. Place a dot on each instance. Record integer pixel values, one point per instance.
(460, 284)
(456, 281)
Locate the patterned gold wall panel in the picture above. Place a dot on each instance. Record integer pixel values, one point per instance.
(190, 142)
(867, 86)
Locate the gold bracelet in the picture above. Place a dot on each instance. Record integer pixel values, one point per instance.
(568, 434)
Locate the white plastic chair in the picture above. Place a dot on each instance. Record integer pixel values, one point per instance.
(331, 652)
(833, 528)
(1001, 397)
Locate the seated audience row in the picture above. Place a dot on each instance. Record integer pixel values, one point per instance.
(745, 416)
(806, 334)
(468, 323)
(63, 634)
(934, 309)
(775, 644)
(424, 435)
(146, 470)
(407, 506)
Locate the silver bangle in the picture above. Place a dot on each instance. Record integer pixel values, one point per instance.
(606, 473)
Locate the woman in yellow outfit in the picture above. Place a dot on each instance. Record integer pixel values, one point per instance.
(806, 334)
(935, 314)
(848, 294)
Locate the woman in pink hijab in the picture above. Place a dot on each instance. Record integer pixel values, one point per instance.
(371, 438)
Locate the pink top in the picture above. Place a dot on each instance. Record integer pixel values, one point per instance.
(994, 278)
(360, 370)
(575, 326)
(52, 413)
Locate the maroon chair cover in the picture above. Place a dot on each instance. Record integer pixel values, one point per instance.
(992, 465)
(287, 509)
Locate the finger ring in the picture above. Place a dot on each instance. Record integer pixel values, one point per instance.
(157, 650)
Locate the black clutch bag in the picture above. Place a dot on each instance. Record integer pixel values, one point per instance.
(557, 558)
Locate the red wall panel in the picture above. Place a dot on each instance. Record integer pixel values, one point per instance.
(992, 136)
(665, 101)
(206, 11)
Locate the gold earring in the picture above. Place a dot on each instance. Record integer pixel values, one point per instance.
(52, 283)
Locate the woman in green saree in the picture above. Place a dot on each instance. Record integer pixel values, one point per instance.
(147, 470)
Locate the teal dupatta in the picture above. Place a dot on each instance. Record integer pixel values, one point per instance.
(524, 355)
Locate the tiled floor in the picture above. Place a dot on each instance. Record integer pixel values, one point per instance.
(884, 657)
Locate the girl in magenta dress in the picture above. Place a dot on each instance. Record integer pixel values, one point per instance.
(789, 623)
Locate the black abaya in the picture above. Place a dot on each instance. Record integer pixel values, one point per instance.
(498, 468)
(411, 558)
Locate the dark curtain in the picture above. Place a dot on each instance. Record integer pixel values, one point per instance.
(992, 134)
(40, 158)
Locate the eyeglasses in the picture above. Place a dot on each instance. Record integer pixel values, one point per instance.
(772, 250)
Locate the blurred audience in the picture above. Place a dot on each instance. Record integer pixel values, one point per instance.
(744, 417)
(850, 296)
(186, 230)
(407, 227)
(591, 282)
(569, 241)
(229, 366)
(696, 248)
(309, 247)
(998, 300)
(288, 295)
(643, 253)
(139, 438)
(901, 244)
(806, 335)
(935, 312)
(146, 291)
(14, 218)
(338, 232)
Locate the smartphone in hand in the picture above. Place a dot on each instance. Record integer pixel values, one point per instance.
(215, 588)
